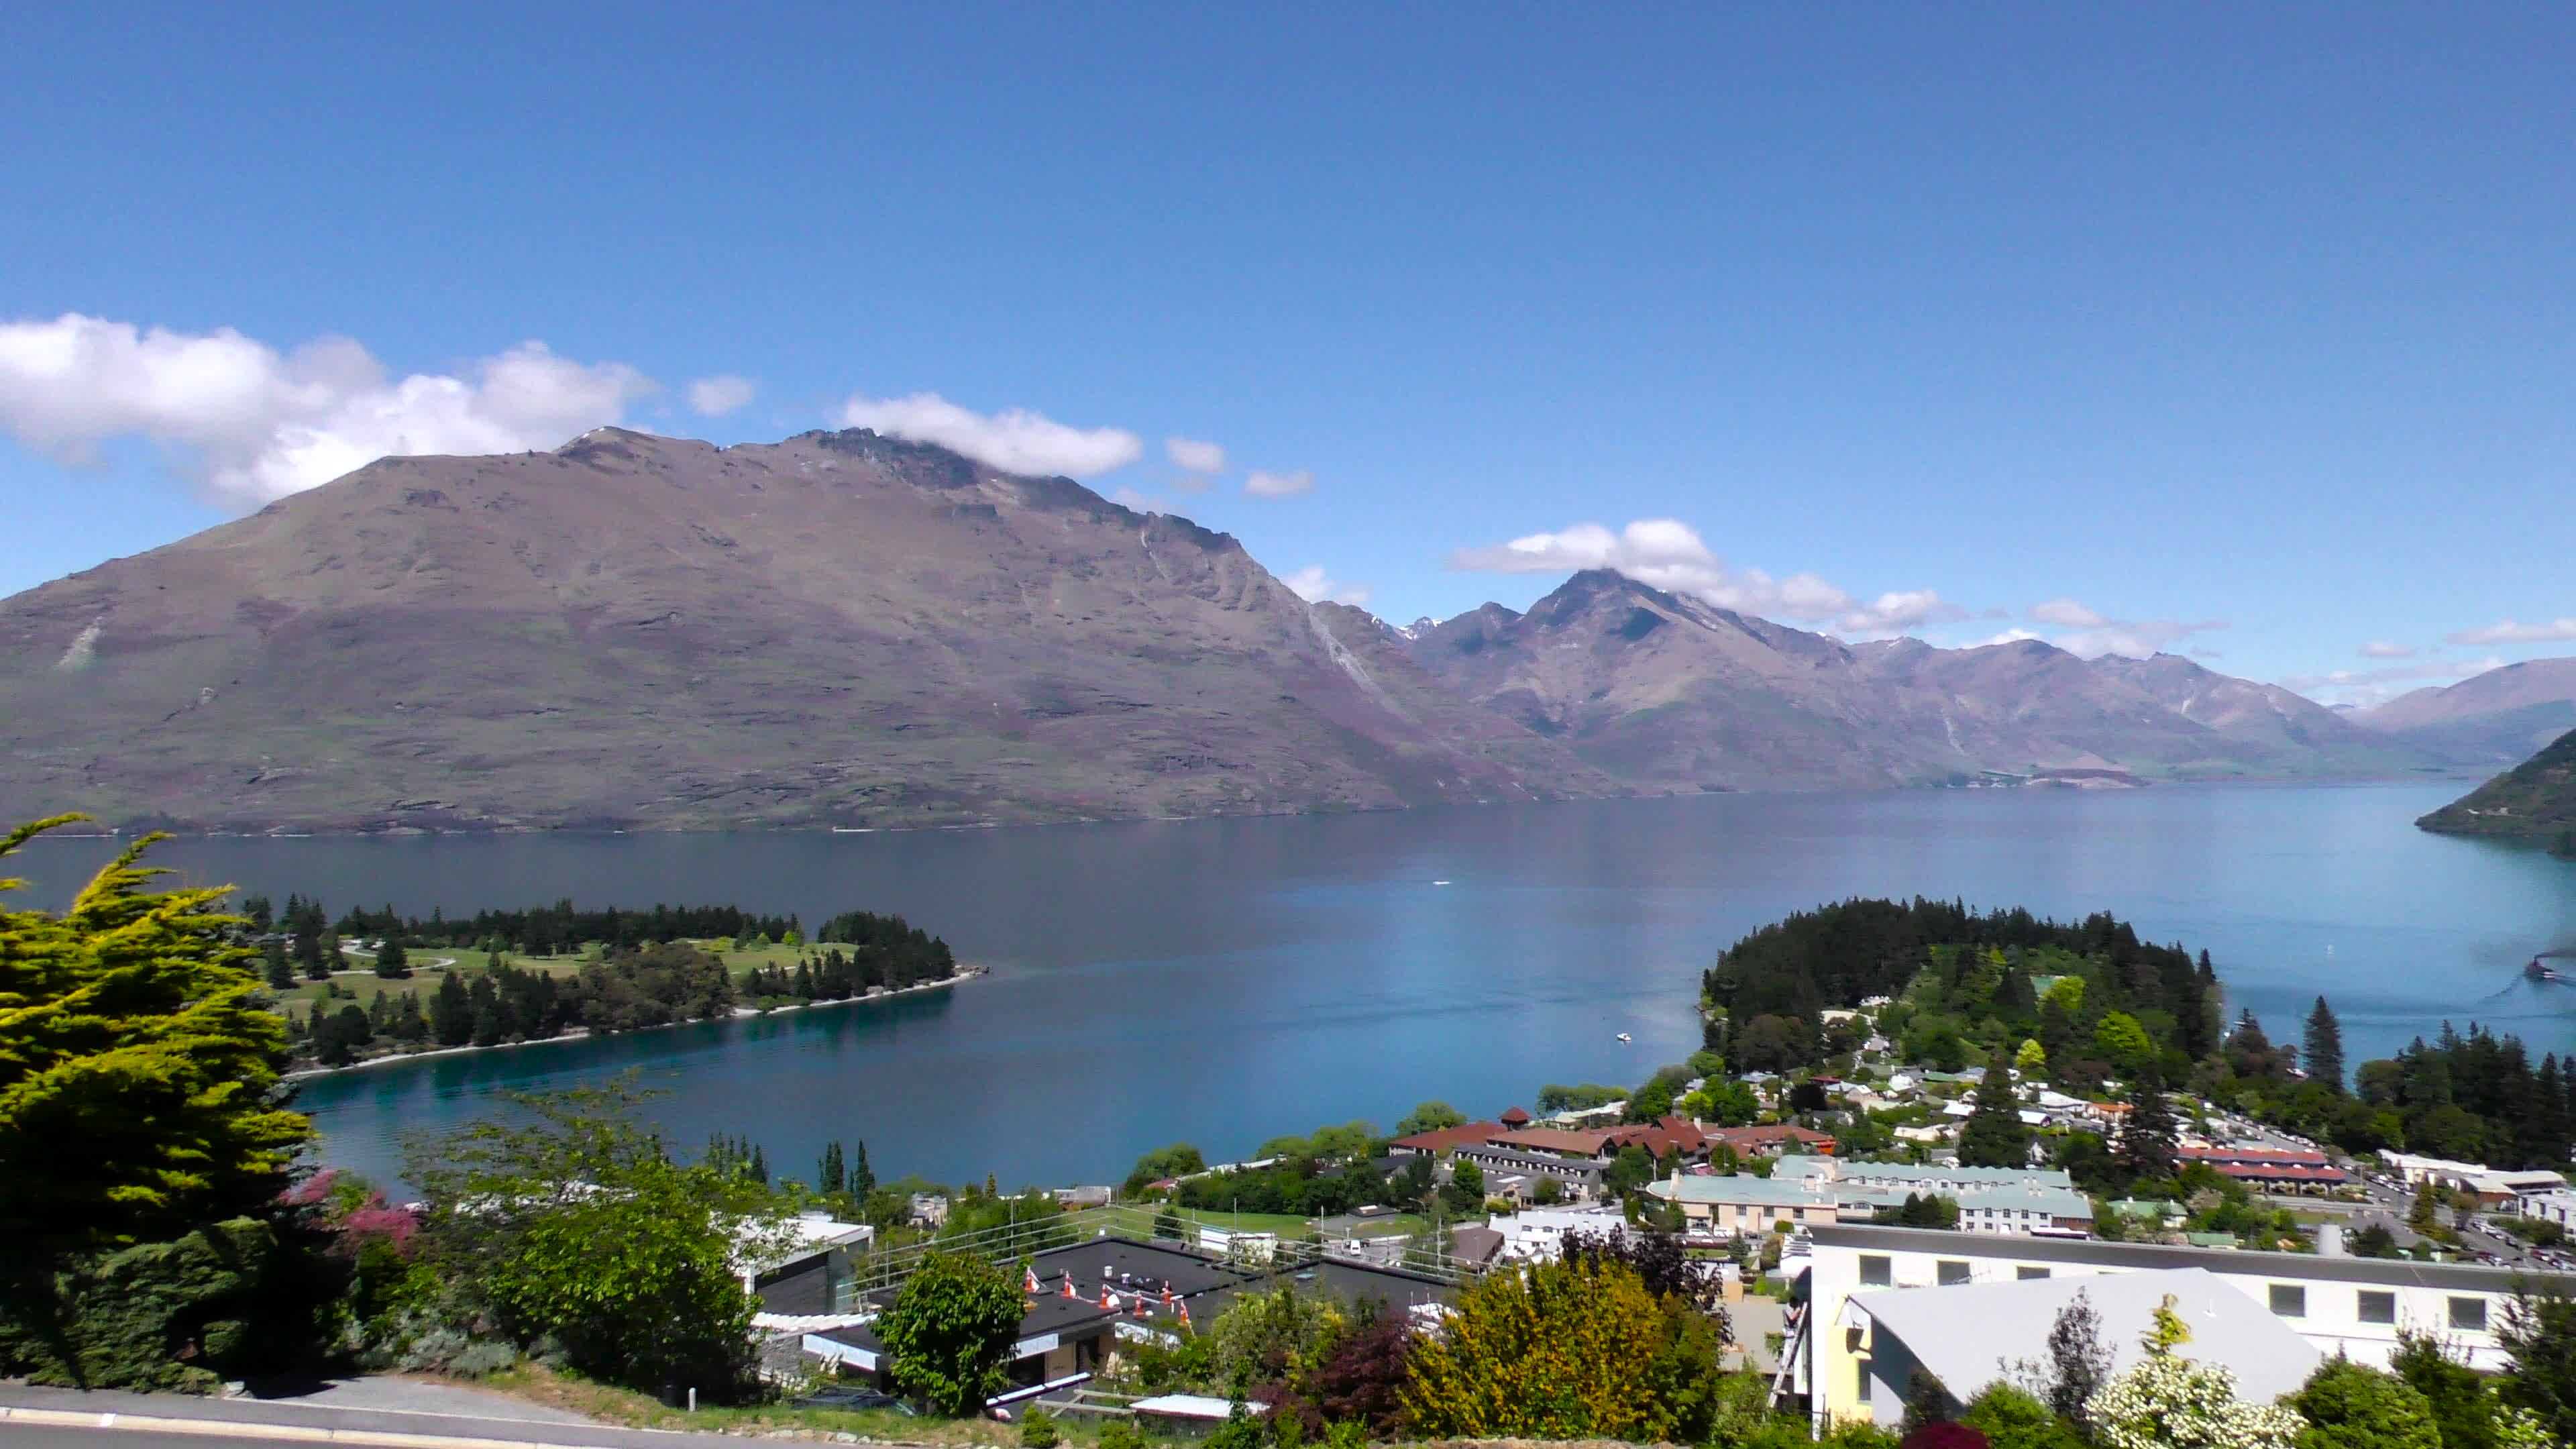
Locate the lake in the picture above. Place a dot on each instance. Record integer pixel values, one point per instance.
(1222, 982)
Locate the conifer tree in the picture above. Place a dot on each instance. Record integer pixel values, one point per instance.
(1995, 1136)
(135, 1066)
(2147, 1146)
(281, 976)
(451, 1011)
(830, 1177)
(392, 961)
(863, 1178)
(2323, 1047)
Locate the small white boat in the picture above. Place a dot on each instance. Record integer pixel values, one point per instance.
(1624, 1037)
(1440, 882)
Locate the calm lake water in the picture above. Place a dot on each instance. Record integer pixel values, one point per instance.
(1223, 982)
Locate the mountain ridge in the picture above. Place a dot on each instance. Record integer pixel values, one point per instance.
(632, 631)
(1663, 690)
(844, 629)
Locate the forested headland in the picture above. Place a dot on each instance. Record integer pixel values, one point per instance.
(497, 977)
(2085, 1004)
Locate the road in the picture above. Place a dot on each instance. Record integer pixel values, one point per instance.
(386, 1412)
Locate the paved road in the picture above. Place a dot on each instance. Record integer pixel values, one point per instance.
(357, 1412)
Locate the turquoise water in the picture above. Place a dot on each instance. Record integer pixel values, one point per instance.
(1222, 982)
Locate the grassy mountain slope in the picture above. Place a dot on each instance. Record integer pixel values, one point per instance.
(641, 631)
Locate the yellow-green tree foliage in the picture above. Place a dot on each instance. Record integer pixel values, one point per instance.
(1552, 1351)
(138, 1072)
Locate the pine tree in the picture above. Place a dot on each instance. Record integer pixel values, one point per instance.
(831, 1178)
(1995, 1136)
(2323, 1047)
(863, 1178)
(451, 1011)
(281, 976)
(2146, 1150)
(392, 961)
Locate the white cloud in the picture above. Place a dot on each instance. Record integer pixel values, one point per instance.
(1670, 555)
(1015, 441)
(713, 397)
(260, 425)
(1194, 455)
(2068, 613)
(2009, 636)
(2096, 633)
(1279, 485)
(1310, 584)
(2383, 649)
(2367, 685)
(2510, 632)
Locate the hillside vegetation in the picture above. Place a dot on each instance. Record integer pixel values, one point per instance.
(2535, 800)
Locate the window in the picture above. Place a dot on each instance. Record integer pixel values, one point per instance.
(2377, 1307)
(2469, 1315)
(2027, 1271)
(2289, 1300)
(1876, 1270)
(1953, 1270)
(1862, 1393)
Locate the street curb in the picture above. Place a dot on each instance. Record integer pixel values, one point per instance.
(241, 1429)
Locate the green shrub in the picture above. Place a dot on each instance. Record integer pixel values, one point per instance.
(1038, 1431)
(182, 1315)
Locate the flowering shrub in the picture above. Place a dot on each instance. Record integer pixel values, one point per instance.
(2168, 1402)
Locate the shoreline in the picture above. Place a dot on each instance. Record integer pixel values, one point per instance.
(964, 974)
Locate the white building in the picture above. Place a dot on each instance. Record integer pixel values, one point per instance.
(2336, 1305)
(1537, 1235)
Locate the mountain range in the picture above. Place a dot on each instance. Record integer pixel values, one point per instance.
(845, 629)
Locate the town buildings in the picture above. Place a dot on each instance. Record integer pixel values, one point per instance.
(1803, 1191)
(1844, 1368)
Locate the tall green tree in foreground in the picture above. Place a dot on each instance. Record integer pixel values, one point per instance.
(139, 1092)
(574, 1224)
(950, 1331)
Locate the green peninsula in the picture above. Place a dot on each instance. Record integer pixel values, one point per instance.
(2535, 800)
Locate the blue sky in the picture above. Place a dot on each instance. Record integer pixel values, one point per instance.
(2094, 322)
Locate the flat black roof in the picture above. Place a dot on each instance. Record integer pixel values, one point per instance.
(2397, 1272)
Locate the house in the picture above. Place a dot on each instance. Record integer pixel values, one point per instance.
(1597, 1144)
(2440, 1171)
(2355, 1307)
(2556, 1207)
(1073, 1199)
(2276, 1168)
(927, 1210)
(1742, 1205)
(1099, 1292)
(1905, 1331)
(1770, 1139)
(1474, 1248)
(1803, 1191)
(1514, 1119)
(1445, 1140)
(1537, 1235)
(2501, 1189)
(807, 1275)
(1667, 1136)
(1578, 1175)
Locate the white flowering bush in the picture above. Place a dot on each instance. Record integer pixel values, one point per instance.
(2167, 1402)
